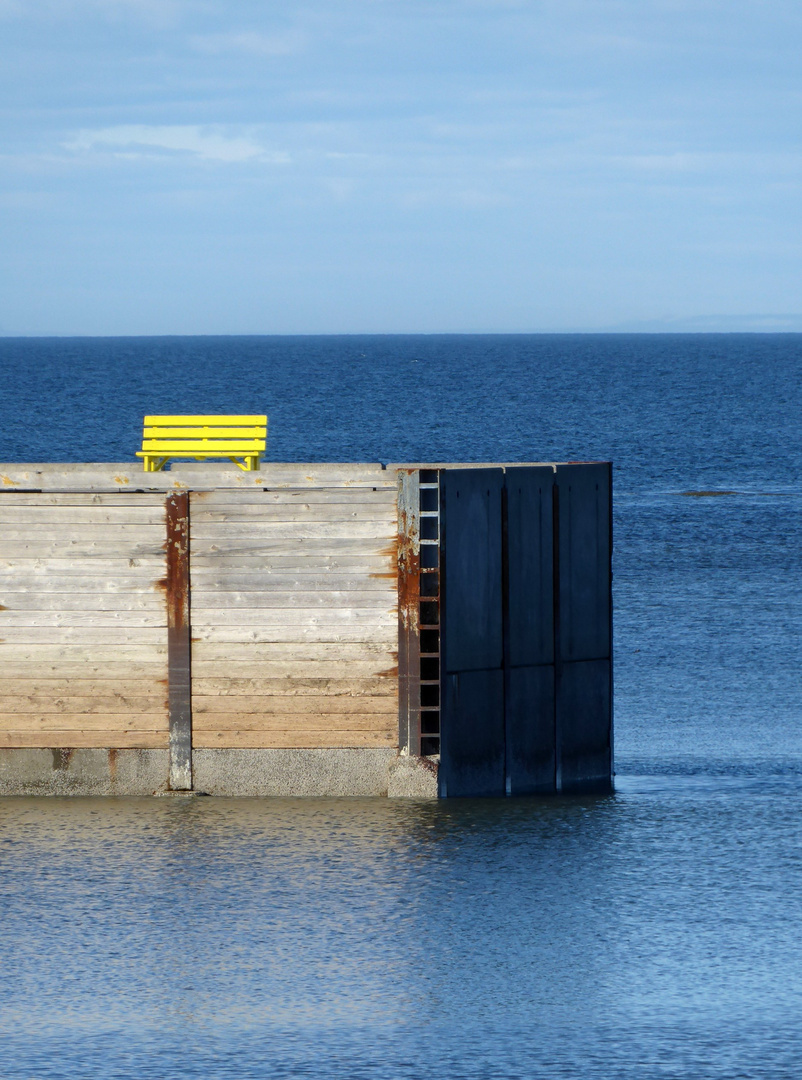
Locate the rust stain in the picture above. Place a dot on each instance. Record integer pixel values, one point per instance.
(391, 551)
(179, 485)
(121, 480)
(3, 607)
(388, 673)
(177, 546)
(161, 583)
(9, 482)
(408, 573)
(386, 574)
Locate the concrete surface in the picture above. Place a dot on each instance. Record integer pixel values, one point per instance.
(291, 772)
(218, 772)
(25, 771)
(412, 778)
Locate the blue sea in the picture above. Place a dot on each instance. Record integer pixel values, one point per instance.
(655, 932)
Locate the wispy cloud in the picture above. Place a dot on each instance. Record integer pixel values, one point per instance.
(155, 12)
(248, 41)
(209, 143)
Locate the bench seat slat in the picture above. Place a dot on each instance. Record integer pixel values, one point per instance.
(194, 421)
(197, 446)
(235, 434)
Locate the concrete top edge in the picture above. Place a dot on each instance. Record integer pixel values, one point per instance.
(203, 476)
(206, 476)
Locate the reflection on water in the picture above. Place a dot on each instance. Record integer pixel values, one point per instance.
(653, 929)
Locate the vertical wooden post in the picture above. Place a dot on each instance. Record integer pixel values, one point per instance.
(178, 642)
(409, 611)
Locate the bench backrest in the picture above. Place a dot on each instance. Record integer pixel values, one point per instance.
(204, 436)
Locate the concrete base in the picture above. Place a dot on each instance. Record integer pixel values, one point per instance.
(291, 772)
(412, 778)
(83, 772)
(286, 773)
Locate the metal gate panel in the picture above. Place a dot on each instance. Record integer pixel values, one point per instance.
(472, 641)
(472, 734)
(584, 561)
(530, 725)
(530, 565)
(584, 718)
(529, 652)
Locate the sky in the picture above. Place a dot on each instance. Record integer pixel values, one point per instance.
(399, 166)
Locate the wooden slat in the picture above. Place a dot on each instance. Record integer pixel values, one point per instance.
(153, 720)
(312, 497)
(111, 571)
(315, 547)
(264, 708)
(47, 652)
(336, 532)
(159, 420)
(85, 547)
(43, 704)
(90, 601)
(230, 587)
(233, 432)
(191, 447)
(296, 726)
(82, 669)
(251, 516)
(99, 589)
(92, 688)
(241, 739)
(130, 476)
(294, 685)
(210, 606)
(384, 668)
(13, 620)
(289, 635)
(39, 517)
(115, 737)
(293, 652)
(377, 614)
(295, 563)
(121, 536)
(149, 637)
(120, 499)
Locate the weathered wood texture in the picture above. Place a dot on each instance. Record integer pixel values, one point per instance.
(83, 625)
(294, 617)
(130, 476)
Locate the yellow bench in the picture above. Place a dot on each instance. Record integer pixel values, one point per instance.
(241, 439)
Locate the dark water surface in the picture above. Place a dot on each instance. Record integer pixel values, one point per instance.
(652, 933)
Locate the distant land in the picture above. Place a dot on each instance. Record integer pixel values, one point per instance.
(711, 324)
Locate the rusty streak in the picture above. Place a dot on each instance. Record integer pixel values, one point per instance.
(178, 641)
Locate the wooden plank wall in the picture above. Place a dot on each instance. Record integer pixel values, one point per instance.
(294, 616)
(83, 638)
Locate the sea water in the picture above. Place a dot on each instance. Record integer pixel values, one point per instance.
(654, 932)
